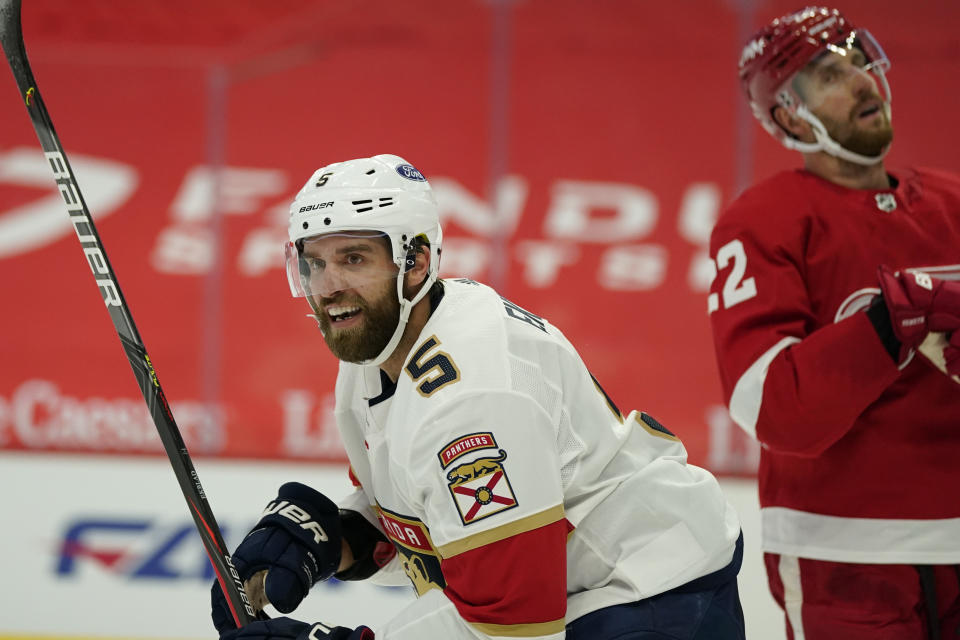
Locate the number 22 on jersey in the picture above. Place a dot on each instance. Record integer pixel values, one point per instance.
(736, 288)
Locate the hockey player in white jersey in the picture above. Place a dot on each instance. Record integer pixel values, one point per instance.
(491, 469)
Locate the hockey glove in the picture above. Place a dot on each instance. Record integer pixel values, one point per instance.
(289, 629)
(917, 304)
(297, 541)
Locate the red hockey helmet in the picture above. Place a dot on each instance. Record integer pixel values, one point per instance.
(776, 53)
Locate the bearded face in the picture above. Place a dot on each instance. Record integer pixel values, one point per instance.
(350, 281)
(843, 93)
(867, 130)
(357, 327)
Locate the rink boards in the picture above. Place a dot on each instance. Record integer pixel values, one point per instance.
(104, 546)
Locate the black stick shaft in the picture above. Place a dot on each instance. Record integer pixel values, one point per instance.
(11, 37)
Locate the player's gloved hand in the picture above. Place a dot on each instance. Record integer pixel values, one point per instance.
(289, 629)
(297, 541)
(919, 303)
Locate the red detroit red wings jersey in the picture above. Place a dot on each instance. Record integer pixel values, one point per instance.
(859, 458)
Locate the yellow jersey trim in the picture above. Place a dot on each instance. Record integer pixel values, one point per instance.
(530, 630)
(483, 538)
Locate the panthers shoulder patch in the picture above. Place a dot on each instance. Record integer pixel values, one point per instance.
(480, 487)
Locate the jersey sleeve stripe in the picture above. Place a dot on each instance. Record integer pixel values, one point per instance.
(515, 587)
(530, 630)
(483, 538)
(747, 395)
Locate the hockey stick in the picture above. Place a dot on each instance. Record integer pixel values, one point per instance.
(11, 37)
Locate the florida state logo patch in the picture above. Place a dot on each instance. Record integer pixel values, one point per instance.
(480, 488)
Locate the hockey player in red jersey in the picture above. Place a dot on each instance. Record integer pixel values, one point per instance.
(834, 312)
(492, 472)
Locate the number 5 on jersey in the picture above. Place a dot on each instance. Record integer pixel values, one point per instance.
(736, 288)
(438, 369)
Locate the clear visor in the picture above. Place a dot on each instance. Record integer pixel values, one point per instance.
(858, 53)
(328, 264)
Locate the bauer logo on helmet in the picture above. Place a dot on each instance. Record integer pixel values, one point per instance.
(317, 205)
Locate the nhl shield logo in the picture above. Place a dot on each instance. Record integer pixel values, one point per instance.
(481, 488)
(886, 202)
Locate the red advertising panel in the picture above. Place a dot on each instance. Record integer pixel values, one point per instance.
(580, 153)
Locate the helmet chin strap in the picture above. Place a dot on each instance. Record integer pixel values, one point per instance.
(827, 144)
(406, 306)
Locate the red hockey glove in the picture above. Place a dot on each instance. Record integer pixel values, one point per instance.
(919, 303)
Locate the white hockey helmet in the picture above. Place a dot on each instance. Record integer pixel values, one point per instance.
(384, 194)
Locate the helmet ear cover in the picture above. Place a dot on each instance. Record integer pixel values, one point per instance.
(419, 244)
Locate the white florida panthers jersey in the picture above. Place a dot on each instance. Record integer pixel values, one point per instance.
(517, 495)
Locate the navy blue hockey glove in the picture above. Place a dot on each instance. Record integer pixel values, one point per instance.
(289, 629)
(297, 540)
